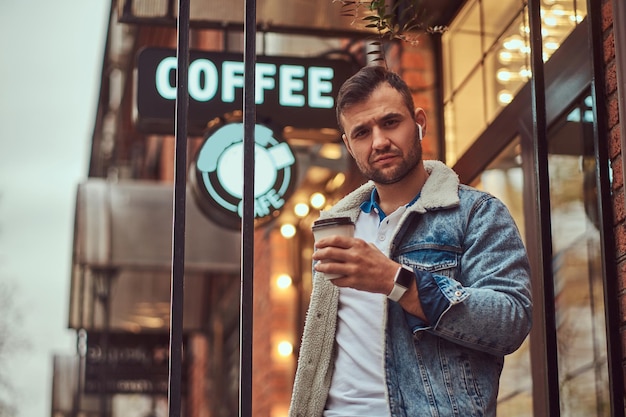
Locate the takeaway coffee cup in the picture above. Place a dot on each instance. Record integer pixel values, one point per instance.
(322, 228)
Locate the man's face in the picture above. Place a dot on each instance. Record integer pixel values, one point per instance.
(382, 136)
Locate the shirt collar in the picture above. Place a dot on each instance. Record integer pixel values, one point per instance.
(372, 204)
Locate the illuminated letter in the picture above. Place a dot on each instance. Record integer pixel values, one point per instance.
(232, 77)
(262, 82)
(320, 82)
(290, 81)
(162, 78)
(196, 69)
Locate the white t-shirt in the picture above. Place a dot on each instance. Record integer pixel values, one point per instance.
(358, 386)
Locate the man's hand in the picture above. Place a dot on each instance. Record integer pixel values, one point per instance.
(364, 267)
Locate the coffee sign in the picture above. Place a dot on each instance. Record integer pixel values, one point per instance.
(289, 91)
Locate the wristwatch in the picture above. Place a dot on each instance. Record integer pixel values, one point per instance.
(401, 282)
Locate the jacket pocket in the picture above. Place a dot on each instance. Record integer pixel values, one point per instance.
(436, 261)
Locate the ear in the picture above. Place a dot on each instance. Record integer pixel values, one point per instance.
(347, 143)
(420, 119)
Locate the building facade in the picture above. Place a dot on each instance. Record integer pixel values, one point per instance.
(548, 145)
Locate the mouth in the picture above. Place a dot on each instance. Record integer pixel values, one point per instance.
(383, 159)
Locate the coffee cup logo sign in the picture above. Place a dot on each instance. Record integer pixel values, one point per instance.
(217, 180)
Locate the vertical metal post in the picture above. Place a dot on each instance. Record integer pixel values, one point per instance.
(178, 233)
(439, 74)
(247, 235)
(545, 375)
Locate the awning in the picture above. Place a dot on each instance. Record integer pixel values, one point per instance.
(122, 256)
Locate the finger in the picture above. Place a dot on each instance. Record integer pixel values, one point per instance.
(331, 267)
(340, 281)
(331, 253)
(334, 241)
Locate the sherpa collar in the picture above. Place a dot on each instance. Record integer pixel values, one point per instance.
(441, 190)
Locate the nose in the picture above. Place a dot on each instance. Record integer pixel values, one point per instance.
(379, 139)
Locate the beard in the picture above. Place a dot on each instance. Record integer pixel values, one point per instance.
(393, 174)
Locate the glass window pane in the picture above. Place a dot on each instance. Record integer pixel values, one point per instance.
(498, 16)
(579, 303)
(507, 67)
(450, 138)
(558, 19)
(504, 179)
(465, 117)
(463, 42)
(447, 59)
(515, 398)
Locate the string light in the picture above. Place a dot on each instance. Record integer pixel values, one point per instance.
(505, 97)
(284, 281)
(301, 209)
(557, 22)
(317, 200)
(285, 348)
(288, 230)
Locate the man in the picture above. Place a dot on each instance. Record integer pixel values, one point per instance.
(434, 287)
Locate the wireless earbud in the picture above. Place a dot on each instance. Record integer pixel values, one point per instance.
(419, 131)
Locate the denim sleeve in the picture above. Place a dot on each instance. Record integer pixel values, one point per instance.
(494, 270)
(434, 303)
(436, 295)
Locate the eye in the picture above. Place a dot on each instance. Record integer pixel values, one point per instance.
(391, 122)
(359, 133)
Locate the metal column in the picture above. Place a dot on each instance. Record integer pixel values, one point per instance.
(178, 233)
(247, 229)
(545, 369)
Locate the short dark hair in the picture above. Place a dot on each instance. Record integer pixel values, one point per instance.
(360, 86)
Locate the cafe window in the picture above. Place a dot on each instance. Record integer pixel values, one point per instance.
(493, 150)
(504, 178)
(486, 60)
(581, 344)
(577, 264)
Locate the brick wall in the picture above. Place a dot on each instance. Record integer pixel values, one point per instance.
(262, 388)
(615, 155)
(274, 320)
(418, 70)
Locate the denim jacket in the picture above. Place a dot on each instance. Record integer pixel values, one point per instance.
(473, 279)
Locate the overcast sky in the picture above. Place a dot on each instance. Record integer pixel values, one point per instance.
(51, 57)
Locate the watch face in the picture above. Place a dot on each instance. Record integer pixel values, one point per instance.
(405, 277)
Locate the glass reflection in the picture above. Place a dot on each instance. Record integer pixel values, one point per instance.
(486, 61)
(577, 266)
(504, 179)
